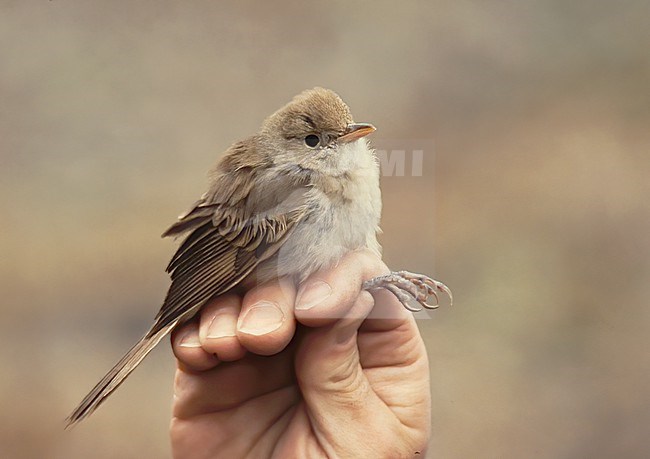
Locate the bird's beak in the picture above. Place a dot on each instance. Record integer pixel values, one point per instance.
(355, 131)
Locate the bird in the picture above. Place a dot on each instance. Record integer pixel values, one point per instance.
(290, 200)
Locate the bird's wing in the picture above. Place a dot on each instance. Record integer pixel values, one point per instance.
(224, 247)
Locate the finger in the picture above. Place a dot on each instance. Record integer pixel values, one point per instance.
(388, 313)
(394, 359)
(389, 337)
(266, 323)
(393, 339)
(322, 350)
(333, 383)
(229, 386)
(187, 348)
(327, 295)
(218, 328)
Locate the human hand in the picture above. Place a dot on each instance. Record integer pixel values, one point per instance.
(347, 377)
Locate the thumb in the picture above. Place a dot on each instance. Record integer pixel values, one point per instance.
(338, 396)
(328, 358)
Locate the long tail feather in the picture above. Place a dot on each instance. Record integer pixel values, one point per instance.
(117, 375)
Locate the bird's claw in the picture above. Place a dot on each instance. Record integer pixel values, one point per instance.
(407, 286)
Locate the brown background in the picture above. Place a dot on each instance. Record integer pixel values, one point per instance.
(111, 112)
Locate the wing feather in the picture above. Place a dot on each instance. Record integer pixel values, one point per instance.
(216, 257)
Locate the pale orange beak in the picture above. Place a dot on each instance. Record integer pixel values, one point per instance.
(356, 131)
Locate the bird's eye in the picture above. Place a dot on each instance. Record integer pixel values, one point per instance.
(312, 141)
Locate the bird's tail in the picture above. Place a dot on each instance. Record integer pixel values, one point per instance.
(117, 375)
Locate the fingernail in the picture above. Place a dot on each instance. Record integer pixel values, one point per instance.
(190, 340)
(313, 294)
(220, 328)
(262, 318)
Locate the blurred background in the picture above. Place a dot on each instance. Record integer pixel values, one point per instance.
(533, 204)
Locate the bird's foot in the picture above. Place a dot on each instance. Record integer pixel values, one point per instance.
(408, 286)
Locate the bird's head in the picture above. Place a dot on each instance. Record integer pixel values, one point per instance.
(316, 132)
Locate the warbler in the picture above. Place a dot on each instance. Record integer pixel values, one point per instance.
(286, 202)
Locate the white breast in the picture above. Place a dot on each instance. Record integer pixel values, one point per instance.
(344, 216)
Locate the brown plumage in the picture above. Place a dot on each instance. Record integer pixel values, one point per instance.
(286, 202)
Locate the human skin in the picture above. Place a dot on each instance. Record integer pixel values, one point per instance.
(347, 377)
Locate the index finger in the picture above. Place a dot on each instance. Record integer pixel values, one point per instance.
(327, 295)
